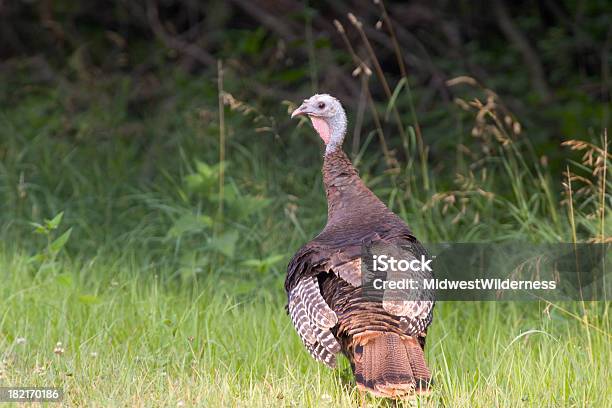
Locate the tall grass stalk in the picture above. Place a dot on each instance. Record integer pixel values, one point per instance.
(221, 141)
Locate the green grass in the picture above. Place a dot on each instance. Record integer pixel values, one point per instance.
(136, 339)
(158, 301)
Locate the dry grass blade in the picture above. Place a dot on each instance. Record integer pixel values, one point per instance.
(391, 162)
(221, 141)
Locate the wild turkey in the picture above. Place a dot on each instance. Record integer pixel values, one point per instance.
(383, 341)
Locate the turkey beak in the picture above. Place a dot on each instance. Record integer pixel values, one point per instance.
(301, 111)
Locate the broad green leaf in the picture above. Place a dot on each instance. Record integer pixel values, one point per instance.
(59, 243)
(39, 229)
(194, 181)
(189, 223)
(55, 222)
(204, 169)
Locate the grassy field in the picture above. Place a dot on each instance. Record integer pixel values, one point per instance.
(127, 340)
(158, 288)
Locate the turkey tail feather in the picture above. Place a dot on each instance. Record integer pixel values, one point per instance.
(388, 365)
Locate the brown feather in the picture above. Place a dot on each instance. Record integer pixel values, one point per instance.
(385, 349)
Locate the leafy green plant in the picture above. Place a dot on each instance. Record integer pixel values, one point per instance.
(55, 244)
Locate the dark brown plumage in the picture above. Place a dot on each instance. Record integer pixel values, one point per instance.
(384, 341)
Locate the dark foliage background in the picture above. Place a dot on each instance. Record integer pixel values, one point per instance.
(127, 91)
(550, 59)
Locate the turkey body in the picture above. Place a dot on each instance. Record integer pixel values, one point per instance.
(384, 341)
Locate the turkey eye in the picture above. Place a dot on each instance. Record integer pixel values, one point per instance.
(321, 105)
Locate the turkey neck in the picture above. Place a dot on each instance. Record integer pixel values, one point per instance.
(349, 201)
